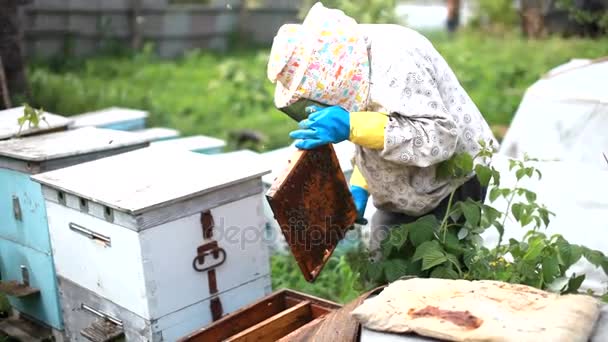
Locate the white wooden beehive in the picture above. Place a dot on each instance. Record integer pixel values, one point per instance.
(126, 233)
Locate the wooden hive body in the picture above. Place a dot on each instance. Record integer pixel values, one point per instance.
(139, 231)
(26, 266)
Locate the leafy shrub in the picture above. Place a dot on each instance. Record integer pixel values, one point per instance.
(337, 281)
(451, 247)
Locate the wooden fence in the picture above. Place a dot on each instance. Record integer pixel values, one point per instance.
(82, 27)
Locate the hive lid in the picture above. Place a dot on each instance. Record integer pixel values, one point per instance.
(9, 125)
(193, 143)
(312, 204)
(45, 147)
(108, 116)
(148, 178)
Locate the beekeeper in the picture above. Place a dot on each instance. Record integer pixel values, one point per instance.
(390, 93)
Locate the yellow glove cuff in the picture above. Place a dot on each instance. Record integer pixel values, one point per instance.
(357, 179)
(367, 129)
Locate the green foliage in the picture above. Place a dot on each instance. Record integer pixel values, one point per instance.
(31, 116)
(452, 248)
(336, 282)
(599, 18)
(365, 12)
(209, 93)
(501, 13)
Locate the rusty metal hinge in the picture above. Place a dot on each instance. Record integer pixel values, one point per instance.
(212, 249)
(17, 209)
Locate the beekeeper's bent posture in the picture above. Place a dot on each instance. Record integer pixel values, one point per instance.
(391, 94)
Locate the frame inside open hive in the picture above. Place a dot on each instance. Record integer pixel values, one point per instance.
(313, 205)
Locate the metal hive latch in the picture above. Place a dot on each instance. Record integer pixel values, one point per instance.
(207, 251)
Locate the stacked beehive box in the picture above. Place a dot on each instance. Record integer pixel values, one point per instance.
(155, 243)
(26, 266)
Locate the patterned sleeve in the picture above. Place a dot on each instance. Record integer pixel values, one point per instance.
(420, 132)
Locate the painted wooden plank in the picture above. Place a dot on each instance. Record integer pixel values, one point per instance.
(117, 118)
(9, 125)
(157, 265)
(197, 143)
(45, 307)
(238, 230)
(31, 228)
(240, 320)
(146, 179)
(276, 326)
(257, 312)
(157, 133)
(137, 329)
(173, 211)
(99, 268)
(67, 144)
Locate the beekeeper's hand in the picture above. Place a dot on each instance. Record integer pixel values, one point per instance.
(358, 189)
(335, 124)
(323, 126)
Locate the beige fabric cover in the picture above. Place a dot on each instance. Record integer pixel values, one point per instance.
(460, 310)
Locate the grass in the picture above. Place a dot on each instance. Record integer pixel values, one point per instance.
(214, 94)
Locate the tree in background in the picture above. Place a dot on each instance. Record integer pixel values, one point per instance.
(365, 12)
(453, 15)
(10, 49)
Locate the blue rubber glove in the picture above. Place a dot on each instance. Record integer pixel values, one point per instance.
(323, 126)
(360, 197)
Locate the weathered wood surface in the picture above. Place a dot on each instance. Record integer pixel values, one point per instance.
(108, 116)
(67, 144)
(149, 178)
(336, 326)
(276, 326)
(268, 308)
(9, 125)
(312, 203)
(197, 143)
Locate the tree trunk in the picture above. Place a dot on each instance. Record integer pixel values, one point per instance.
(10, 47)
(453, 15)
(532, 18)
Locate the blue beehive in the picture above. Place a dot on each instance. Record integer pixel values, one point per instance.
(122, 119)
(27, 274)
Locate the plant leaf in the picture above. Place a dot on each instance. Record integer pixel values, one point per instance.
(394, 269)
(550, 268)
(535, 249)
(426, 248)
(494, 193)
(462, 233)
(471, 212)
(444, 272)
(574, 284)
(376, 271)
(454, 261)
(484, 174)
(433, 258)
(530, 196)
(422, 230)
(516, 210)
